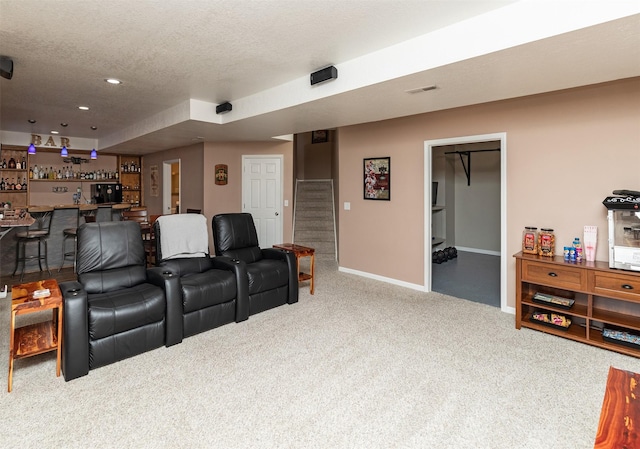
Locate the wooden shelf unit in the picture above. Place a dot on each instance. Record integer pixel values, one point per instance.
(131, 180)
(17, 198)
(104, 170)
(604, 297)
(438, 223)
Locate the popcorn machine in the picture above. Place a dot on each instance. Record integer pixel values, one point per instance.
(623, 219)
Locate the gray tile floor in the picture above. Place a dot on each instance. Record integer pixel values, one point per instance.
(471, 276)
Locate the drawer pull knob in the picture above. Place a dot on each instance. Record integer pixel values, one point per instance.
(552, 274)
(627, 286)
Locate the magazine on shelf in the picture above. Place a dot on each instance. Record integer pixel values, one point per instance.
(553, 300)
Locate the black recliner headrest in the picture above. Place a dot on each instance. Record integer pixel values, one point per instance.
(109, 245)
(234, 231)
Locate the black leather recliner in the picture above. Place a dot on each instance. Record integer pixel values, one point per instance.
(117, 309)
(270, 274)
(208, 294)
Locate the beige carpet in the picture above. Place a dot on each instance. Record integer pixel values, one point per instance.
(361, 364)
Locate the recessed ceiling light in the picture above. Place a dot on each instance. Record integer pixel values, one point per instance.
(55, 132)
(83, 108)
(32, 121)
(113, 81)
(64, 125)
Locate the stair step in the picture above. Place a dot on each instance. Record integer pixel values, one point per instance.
(314, 185)
(314, 216)
(320, 194)
(309, 226)
(314, 220)
(313, 206)
(317, 235)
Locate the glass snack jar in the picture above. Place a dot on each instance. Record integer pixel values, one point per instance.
(530, 240)
(546, 242)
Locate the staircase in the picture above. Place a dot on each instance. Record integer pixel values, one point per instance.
(314, 224)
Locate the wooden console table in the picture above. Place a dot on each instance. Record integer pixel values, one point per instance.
(37, 338)
(604, 299)
(301, 251)
(620, 413)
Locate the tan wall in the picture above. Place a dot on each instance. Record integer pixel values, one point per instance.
(315, 160)
(228, 198)
(566, 151)
(335, 170)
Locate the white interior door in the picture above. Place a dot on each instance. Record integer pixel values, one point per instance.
(262, 196)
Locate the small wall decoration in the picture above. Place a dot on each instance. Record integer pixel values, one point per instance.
(221, 174)
(321, 136)
(155, 180)
(377, 178)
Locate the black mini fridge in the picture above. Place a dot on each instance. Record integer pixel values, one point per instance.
(106, 193)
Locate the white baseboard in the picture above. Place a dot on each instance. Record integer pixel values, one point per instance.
(508, 309)
(383, 279)
(420, 288)
(479, 251)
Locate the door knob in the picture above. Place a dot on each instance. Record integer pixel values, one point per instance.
(277, 214)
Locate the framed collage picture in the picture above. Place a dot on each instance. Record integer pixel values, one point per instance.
(377, 178)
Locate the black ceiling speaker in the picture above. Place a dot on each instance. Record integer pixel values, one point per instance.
(328, 73)
(224, 107)
(6, 67)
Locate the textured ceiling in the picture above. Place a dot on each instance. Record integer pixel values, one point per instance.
(178, 59)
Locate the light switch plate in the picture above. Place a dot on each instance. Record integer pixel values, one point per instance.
(347, 205)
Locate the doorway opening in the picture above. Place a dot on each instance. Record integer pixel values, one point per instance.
(465, 209)
(171, 186)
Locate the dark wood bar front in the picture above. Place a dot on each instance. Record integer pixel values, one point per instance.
(63, 216)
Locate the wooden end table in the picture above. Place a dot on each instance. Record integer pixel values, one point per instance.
(301, 251)
(37, 338)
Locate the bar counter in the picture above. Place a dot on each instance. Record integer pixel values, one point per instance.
(63, 216)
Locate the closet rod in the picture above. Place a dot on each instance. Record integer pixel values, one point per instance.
(467, 167)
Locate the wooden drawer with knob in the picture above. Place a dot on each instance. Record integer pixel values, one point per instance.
(614, 285)
(554, 275)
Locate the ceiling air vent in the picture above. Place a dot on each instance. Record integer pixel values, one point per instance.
(417, 90)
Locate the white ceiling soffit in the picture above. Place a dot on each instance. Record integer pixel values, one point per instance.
(448, 61)
(179, 60)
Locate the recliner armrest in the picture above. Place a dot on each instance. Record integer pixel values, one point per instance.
(239, 270)
(75, 324)
(292, 265)
(169, 281)
(275, 253)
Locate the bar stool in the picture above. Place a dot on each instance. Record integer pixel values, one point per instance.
(86, 212)
(119, 209)
(40, 233)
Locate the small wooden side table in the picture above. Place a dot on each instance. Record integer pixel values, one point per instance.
(37, 338)
(301, 251)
